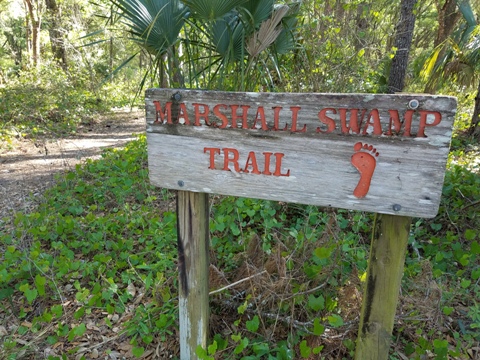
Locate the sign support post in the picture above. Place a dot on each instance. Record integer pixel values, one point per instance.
(193, 262)
(384, 277)
(364, 152)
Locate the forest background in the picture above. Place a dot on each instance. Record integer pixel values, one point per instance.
(96, 276)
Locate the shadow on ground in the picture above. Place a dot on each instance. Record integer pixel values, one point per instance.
(29, 167)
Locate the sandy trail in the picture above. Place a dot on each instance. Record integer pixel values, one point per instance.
(28, 167)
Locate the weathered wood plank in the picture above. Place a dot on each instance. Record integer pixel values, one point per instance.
(384, 276)
(193, 255)
(380, 153)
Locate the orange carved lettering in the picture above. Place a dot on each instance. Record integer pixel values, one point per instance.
(220, 115)
(227, 159)
(354, 123)
(242, 116)
(424, 116)
(231, 158)
(397, 124)
(251, 162)
(266, 170)
(295, 110)
(260, 117)
(278, 165)
(183, 114)
(201, 115)
(376, 124)
(160, 115)
(213, 151)
(322, 116)
(276, 119)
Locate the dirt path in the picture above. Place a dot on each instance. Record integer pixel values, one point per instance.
(28, 168)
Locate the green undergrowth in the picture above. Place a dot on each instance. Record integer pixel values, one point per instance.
(99, 253)
(49, 101)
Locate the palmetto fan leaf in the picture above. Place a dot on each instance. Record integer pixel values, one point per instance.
(279, 29)
(212, 9)
(462, 56)
(463, 67)
(268, 32)
(256, 11)
(154, 24)
(227, 37)
(462, 72)
(285, 41)
(469, 16)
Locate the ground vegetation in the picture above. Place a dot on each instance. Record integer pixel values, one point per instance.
(89, 269)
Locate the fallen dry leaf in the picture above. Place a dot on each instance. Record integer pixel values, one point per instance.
(147, 353)
(82, 350)
(115, 355)
(125, 346)
(131, 289)
(94, 354)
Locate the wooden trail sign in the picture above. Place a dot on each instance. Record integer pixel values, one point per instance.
(378, 153)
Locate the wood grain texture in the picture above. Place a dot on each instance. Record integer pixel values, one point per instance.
(408, 169)
(382, 288)
(193, 247)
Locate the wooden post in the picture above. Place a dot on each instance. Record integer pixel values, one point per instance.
(384, 276)
(193, 263)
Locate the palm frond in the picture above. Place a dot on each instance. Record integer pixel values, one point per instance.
(254, 12)
(461, 72)
(429, 65)
(466, 9)
(286, 40)
(226, 35)
(238, 42)
(221, 33)
(471, 22)
(154, 24)
(212, 9)
(268, 32)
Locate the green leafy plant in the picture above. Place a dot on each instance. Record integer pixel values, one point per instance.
(225, 44)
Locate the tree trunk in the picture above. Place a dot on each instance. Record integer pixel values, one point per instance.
(56, 37)
(403, 41)
(448, 16)
(35, 21)
(475, 124)
(28, 37)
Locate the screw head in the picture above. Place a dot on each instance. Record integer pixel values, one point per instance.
(177, 97)
(180, 183)
(397, 207)
(413, 104)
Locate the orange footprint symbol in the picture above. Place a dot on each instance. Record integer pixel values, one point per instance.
(364, 161)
